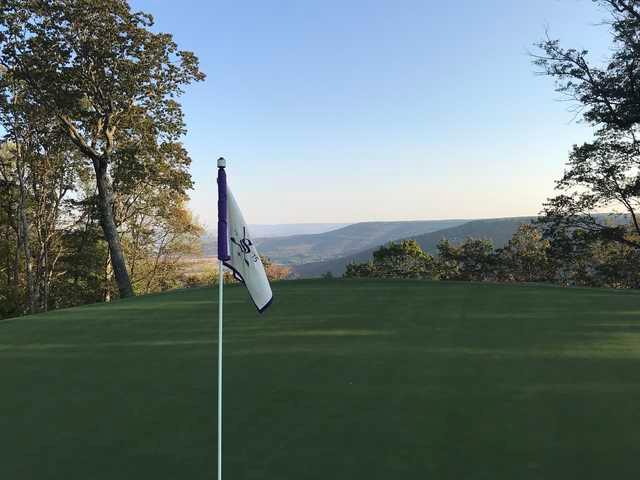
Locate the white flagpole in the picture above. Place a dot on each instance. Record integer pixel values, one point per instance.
(220, 290)
(222, 205)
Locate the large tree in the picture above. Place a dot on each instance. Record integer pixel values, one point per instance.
(402, 259)
(472, 260)
(109, 83)
(525, 258)
(602, 174)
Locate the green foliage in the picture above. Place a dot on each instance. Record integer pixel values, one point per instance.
(404, 259)
(447, 260)
(579, 260)
(11, 301)
(91, 163)
(82, 274)
(618, 266)
(98, 73)
(359, 270)
(602, 173)
(526, 258)
(570, 260)
(98, 64)
(473, 260)
(161, 234)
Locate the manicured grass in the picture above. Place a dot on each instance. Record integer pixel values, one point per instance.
(339, 380)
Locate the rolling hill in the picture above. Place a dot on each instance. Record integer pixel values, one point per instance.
(297, 249)
(339, 380)
(498, 230)
(287, 229)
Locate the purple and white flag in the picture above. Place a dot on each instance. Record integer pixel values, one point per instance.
(235, 248)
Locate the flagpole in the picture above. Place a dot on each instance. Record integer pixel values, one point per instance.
(223, 254)
(220, 295)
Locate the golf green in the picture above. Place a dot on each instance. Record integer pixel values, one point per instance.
(339, 379)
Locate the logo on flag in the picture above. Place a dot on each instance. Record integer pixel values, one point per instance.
(245, 245)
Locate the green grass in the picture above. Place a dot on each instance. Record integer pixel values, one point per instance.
(339, 380)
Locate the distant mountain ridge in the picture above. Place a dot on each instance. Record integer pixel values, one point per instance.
(305, 248)
(299, 249)
(311, 255)
(288, 229)
(499, 231)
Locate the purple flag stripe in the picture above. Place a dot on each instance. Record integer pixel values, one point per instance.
(223, 247)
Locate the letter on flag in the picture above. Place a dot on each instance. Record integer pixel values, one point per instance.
(235, 248)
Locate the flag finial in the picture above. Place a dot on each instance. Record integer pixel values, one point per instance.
(222, 162)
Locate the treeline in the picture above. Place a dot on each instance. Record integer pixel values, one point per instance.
(570, 244)
(527, 257)
(93, 174)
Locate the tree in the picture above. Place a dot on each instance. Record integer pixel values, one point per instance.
(80, 274)
(472, 260)
(448, 260)
(603, 173)
(274, 271)
(617, 266)
(10, 285)
(109, 84)
(359, 270)
(579, 260)
(158, 240)
(403, 259)
(525, 258)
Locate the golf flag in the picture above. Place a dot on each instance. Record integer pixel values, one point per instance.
(235, 248)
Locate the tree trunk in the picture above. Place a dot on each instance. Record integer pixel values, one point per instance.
(16, 267)
(26, 248)
(108, 224)
(23, 227)
(45, 279)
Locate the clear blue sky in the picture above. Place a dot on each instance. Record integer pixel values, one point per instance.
(344, 111)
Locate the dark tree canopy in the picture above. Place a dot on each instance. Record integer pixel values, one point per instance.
(525, 258)
(602, 175)
(473, 259)
(402, 259)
